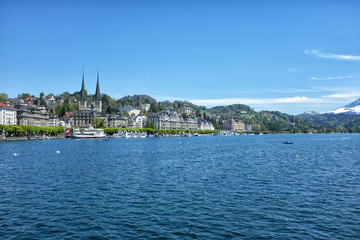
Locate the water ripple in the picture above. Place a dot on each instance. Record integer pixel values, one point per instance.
(243, 187)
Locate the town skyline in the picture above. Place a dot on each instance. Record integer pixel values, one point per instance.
(287, 57)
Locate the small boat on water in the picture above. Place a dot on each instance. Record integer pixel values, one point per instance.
(288, 142)
(142, 135)
(89, 132)
(127, 134)
(118, 134)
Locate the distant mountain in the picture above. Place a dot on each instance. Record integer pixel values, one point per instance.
(352, 108)
(308, 113)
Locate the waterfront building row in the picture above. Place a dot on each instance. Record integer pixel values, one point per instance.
(235, 125)
(173, 120)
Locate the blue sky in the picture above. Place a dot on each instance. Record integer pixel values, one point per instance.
(290, 56)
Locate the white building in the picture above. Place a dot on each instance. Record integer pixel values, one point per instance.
(186, 109)
(173, 120)
(131, 110)
(205, 125)
(53, 120)
(7, 115)
(138, 121)
(145, 107)
(234, 125)
(117, 121)
(31, 115)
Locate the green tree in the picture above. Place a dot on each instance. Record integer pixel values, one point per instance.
(98, 123)
(3, 97)
(126, 114)
(150, 125)
(24, 95)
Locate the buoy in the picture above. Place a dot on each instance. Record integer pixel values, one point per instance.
(15, 154)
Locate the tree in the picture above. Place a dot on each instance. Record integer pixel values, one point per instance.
(24, 95)
(126, 114)
(150, 125)
(98, 123)
(3, 97)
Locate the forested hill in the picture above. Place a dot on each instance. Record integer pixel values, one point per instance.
(232, 111)
(337, 122)
(134, 100)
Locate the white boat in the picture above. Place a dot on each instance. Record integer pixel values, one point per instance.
(89, 132)
(142, 135)
(126, 134)
(119, 134)
(134, 134)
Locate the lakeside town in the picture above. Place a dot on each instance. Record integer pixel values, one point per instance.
(25, 115)
(26, 110)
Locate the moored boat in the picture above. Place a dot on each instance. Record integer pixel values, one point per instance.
(89, 132)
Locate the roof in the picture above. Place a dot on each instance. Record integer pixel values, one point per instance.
(82, 91)
(6, 106)
(97, 93)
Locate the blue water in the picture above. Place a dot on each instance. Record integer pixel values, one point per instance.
(240, 187)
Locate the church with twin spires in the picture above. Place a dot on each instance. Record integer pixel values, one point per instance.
(88, 110)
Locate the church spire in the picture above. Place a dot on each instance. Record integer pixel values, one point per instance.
(82, 91)
(97, 93)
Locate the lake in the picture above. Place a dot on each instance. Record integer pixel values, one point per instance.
(235, 187)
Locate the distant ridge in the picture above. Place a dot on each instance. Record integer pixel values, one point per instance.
(308, 113)
(352, 108)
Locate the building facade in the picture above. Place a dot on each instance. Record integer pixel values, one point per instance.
(138, 121)
(205, 125)
(186, 109)
(173, 120)
(31, 115)
(234, 125)
(130, 110)
(7, 115)
(53, 120)
(117, 121)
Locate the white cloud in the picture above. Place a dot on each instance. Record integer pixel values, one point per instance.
(293, 90)
(331, 78)
(167, 98)
(342, 95)
(256, 101)
(332, 56)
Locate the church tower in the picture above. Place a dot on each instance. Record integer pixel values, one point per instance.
(82, 102)
(97, 101)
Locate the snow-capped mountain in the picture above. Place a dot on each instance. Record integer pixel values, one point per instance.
(308, 113)
(352, 108)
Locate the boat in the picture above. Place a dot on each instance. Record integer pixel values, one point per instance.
(126, 135)
(288, 142)
(134, 134)
(118, 134)
(142, 135)
(89, 132)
